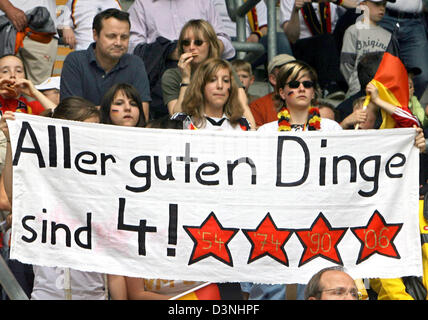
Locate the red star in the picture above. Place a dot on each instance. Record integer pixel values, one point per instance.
(268, 240)
(320, 240)
(211, 239)
(377, 237)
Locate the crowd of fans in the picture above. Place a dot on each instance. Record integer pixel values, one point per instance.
(172, 64)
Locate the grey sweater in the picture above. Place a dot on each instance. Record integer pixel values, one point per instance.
(357, 41)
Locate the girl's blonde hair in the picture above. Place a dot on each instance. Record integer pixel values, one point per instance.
(204, 30)
(194, 99)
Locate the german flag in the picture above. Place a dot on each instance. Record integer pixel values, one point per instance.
(391, 80)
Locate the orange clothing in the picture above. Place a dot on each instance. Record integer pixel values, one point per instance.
(20, 105)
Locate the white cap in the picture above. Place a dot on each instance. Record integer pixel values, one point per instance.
(49, 83)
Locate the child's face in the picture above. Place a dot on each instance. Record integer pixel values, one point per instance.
(11, 69)
(217, 90)
(124, 111)
(246, 79)
(376, 10)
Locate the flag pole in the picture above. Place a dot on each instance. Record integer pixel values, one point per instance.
(365, 104)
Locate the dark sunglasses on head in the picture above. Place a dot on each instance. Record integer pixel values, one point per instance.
(295, 84)
(197, 42)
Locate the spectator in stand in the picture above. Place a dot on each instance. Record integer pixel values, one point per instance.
(412, 37)
(13, 85)
(196, 44)
(245, 73)
(38, 49)
(327, 110)
(76, 21)
(256, 30)
(121, 107)
(363, 37)
(331, 283)
(218, 108)
(90, 73)
(367, 68)
(309, 27)
(364, 117)
(297, 91)
(264, 109)
(151, 19)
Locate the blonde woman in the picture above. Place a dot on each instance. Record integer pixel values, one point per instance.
(197, 43)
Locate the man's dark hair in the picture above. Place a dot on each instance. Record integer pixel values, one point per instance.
(367, 67)
(109, 13)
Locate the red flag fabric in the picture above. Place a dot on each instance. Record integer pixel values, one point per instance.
(391, 80)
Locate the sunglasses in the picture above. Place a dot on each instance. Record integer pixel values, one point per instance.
(197, 42)
(295, 84)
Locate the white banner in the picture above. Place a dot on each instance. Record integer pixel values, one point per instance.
(214, 206)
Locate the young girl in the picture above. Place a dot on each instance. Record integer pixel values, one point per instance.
(211, 101)
(122, 105)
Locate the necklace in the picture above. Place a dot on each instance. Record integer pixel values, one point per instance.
(313, 123)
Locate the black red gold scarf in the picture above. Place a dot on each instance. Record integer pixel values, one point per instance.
(313, 123)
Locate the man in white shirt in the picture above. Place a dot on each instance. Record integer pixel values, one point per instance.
(76, 21)
(38, 57)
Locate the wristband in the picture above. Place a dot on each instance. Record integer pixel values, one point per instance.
(183, 84)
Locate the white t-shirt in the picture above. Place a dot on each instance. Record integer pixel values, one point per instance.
(326, 125)
(79, 16)
(26, 5)
(287, 7)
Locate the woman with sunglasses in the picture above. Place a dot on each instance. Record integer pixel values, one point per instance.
(197, 43)
(298, 89)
